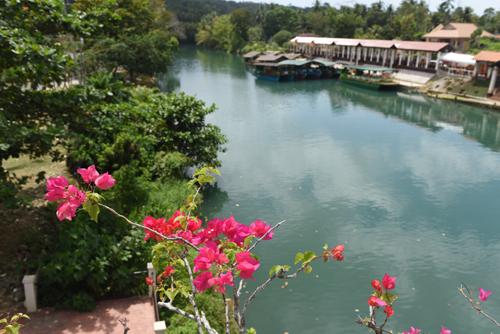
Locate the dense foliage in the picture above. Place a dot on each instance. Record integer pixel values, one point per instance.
(407, 21)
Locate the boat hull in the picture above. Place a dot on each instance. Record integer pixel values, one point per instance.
(268, 77)
(369, 85)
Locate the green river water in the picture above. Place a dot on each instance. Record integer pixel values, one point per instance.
(408, 183)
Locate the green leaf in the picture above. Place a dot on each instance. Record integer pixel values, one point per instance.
(275, 269)
(192, 182)
(94, 211)
(286, 267)
(326, 247)
(308, 256)
(308, 269)
(248, 240)
(216, 171)
(298, 257)
(3, 320)
(156, 262)
(86, 205)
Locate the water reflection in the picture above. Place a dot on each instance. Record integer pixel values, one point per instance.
(434, 115)
(213, 200)
(403, 180)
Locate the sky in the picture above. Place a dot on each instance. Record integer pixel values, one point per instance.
(478, 5)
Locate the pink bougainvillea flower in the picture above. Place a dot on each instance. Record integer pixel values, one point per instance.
(259, 229)
(159, 225)
(66, 210)
(168, 271)
(57, 183)
(75, 196)
(445, 331)
(242, 232)
(484, 294)
(388, 310)
(225, 279)
(88, 174)
(376, 285)
(229, 227)
(204, 281)
(105, 181)
(413, 331)
(206, 257)
(376, 302)
(222, 259)
(337, 252)
(149, 281)
(246, 264)
(55, 194)
(214, 228)
(56, 187)
(194, 224)
(389, 282)
(373, 301)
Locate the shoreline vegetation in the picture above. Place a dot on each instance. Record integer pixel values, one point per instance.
(145, 138)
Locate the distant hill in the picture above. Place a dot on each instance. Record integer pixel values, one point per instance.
(194, 10)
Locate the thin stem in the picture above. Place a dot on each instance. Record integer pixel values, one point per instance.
(176, 310)
(228, 330)
(475, 307)
(265, 235)
(175, 238)
(193, 291)
(236, 311)
(255, 293)
(189, 212)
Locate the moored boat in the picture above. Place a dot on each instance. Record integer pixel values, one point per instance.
(274, 72)
(370, 77)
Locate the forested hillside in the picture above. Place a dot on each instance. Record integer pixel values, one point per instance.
(233, 25)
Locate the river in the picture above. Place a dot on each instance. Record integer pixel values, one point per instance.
(409, 184)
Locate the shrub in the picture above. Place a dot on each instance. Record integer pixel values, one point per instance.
(282, 37)
(170, 165)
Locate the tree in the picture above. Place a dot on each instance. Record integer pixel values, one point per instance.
(282, 37)
(278, 19)
(30, 56)
(241, 20)
(147, 54)
(345, 26)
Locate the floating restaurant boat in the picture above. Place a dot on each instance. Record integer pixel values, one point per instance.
(274, 71)
(312, 69)
(360, 79)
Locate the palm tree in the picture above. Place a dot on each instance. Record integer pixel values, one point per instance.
(259, 14)
(317, 6)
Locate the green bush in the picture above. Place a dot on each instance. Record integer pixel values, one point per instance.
(88, 261)
(282, 37)
(112, 135)
(170, 165)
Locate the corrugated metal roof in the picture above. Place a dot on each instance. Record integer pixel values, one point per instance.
(374, 43)
(420, 46)
(453, 30)
(347, 42)
(268, 64)
(295, 62)
(292, 55)
(270, 58)
(272, 53)
(370, 68)
(251, 54)
(488, 56)
(459, 58)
